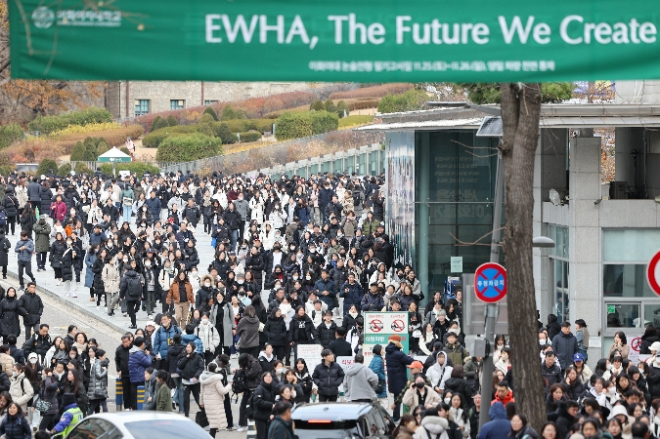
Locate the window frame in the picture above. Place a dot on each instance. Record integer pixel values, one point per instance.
(139, 102)
(174, 104)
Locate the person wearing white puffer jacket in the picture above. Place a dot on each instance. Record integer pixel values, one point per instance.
(209, 336)
(212, 398)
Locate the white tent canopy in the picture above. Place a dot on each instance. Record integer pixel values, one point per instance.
(114, 155)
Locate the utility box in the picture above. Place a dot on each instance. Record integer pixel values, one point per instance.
(474, 319)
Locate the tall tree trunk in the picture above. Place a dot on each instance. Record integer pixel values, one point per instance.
(521, 108)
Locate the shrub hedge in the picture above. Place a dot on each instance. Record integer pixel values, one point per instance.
(154, 139)
(64, 170)
(211, 111)
(250, 136)
(49, 124)
(303, 124)
(135, 167)
(408, 101)
(188, 147)
(9, 134)
(46, 166)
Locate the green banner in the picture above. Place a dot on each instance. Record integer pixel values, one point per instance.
(341, 40)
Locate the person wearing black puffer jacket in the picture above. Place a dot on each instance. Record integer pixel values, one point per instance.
(328, 376)
(325, 332)
(276, 333)
(263, 402)
(302, 328)
(190, 366)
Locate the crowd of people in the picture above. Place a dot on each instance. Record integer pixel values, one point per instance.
(294, 262)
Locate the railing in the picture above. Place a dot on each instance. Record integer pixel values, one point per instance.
(369, 159)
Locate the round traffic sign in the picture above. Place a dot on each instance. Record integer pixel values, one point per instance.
(653, 273)
(398, 325)
(490, 283)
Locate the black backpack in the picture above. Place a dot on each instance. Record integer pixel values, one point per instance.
(249, 407)
(239, 385)
(134, 288)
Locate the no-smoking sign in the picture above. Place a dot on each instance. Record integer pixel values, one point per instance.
(376, 325)
(398, 326)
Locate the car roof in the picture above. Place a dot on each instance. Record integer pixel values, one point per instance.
(331, 411)
(136, 416)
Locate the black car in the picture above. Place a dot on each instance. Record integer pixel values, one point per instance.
(342, 421)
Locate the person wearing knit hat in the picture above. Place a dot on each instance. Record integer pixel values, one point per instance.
(396, 362)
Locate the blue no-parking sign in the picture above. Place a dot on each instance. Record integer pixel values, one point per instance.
(490, 283)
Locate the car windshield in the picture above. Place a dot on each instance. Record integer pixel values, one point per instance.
(325, 430)
(166, 429)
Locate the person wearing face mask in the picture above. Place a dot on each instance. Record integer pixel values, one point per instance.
(421, 394)
(276, 333)
(205, 292)
(222, 318)
(166, 277)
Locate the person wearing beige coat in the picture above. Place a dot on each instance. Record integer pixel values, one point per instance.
(21, 394)
(212, 398)
(412, 396)
(111, 282)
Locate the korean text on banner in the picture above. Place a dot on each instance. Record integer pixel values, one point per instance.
(342, 40)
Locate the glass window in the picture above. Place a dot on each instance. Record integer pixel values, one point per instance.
(210, 101)
(142, 106)
(561, 304)
(177, 104)
(626, 281)
(623, 315)
(93, 428)
(633, 245)
(166, 429)
(652, 314)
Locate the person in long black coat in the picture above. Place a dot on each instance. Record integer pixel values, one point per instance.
(5, 245)
(263, 401)
(275, 330)
(9, 323)
(57, 249)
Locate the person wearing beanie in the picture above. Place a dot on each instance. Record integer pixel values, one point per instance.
(70, 418)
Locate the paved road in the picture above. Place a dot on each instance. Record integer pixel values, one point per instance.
(61, 311)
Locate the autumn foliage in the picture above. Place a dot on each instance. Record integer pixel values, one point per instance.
(377, 91)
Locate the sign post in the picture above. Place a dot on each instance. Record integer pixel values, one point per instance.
(379, 326)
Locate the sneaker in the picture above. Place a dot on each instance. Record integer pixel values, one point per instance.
(132, 327)
(111, 314)
(74, 295)
(125, 314)
(234, 356)
(98, 306)
(241, 429)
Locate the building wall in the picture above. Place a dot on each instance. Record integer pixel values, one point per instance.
(637, 92)
(194, 93)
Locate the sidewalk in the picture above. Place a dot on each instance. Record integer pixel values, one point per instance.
(47, 284)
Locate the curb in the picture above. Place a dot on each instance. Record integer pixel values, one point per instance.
(71, 304)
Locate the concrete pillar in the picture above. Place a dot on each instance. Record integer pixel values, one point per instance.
(585, 278)
(424, 217)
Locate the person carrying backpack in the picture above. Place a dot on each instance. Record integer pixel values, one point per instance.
(246, 380)
(131, 289)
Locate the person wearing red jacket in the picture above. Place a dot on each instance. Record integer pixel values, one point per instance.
(58, 209)
(503, 394)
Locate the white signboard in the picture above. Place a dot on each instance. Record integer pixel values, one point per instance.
(457, 264)
(345, 363)
(311, 353)
(379, 326)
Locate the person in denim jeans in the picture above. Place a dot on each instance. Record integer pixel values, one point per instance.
(582, 335)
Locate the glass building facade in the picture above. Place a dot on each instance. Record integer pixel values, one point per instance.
(442, 182)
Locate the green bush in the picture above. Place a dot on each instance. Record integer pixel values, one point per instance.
(171, 121)
(49, 124)
(102, 147)
(9, 134)
(293, 126)
(90, 154)
(89, 142)
(342, 109)
(244, 125)
(188, 147)
(225, 134)
(228, 113)
(82, 169)
(153, 124)
(250, 136)
(207, 129)
(46, 166)
(206, 118)
(77, 152)
(317, 105)
(211, 111)
(330, 106)
(161, 123)
(408, 101)
(134, 167)
(154, 139)
(323, 122)
(304, 124)
(64, 170)
(125, 150)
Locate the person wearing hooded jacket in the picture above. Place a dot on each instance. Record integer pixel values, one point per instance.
(433, 426)
(248, 332)
(499, 426)
(301, 329)
(190, 367)
(440, 372)
(263, 402)
(396, 362)
(360, 382)
(209, 337)
(373, 300)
